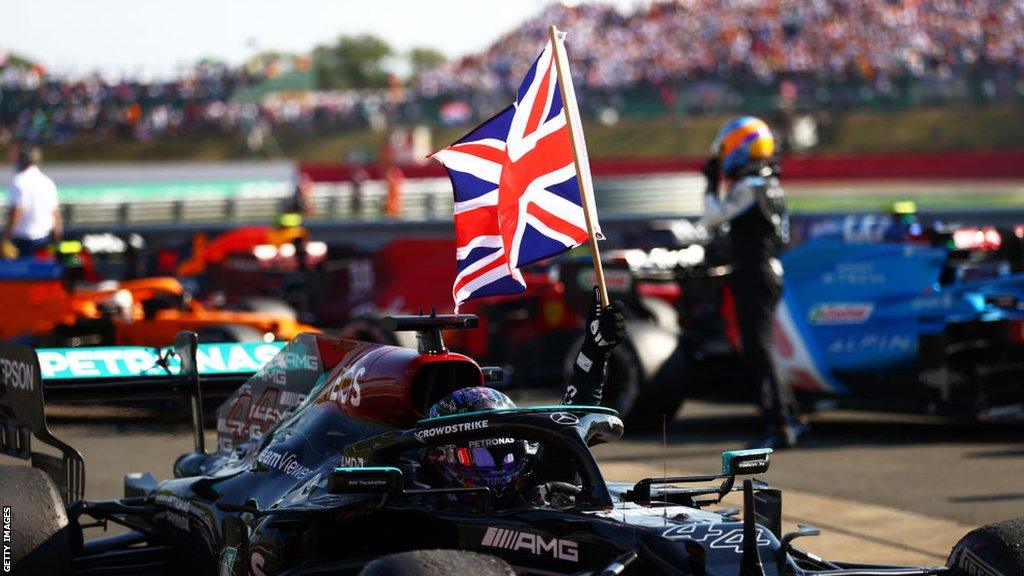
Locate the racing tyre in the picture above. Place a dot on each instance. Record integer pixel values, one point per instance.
(660, 312)
(992, 550)
(41, 541)
(437, 563)
(659, 397)
(229, 333)
(267, 305)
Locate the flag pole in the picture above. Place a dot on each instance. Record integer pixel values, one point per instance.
(574, 123)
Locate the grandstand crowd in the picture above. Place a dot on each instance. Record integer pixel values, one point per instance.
(658, 44)
(834, 39)
(38, 107)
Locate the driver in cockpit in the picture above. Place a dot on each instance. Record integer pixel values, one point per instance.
(501, 463)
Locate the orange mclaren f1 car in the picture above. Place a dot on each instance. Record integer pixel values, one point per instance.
(38, 303)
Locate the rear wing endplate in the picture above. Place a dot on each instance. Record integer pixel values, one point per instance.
(22, 417)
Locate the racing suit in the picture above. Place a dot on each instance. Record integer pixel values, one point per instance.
(755, 208)
(605, 328)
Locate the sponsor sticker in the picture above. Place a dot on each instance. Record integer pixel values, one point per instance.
(584, 363)
(18, 375)
(873, 343)
(565, 419)
(285, 462)
(491, 442)
(352, 462)
(517, 540)
(136, 361)
(834, 313)
(752, 463)
(178, 515)
(424, 435)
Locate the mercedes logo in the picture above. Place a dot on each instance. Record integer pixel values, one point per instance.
(564, 418)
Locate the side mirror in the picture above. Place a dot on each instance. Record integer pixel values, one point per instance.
(385, 480)
(746, 462)
(496, 377)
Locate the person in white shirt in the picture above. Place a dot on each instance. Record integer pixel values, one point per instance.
(33, 215)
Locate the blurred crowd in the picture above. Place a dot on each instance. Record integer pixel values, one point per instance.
(37, 107)
(207, 98)
(834, 39)
(699, 48)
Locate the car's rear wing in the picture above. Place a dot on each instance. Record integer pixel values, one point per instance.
(109, 374)
(143, 373)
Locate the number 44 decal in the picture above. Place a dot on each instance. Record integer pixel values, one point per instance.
(346, 390)
(714, 536)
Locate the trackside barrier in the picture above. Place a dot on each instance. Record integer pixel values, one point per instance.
(422, 199)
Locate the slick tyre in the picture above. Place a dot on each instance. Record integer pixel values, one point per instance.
(41, 540)
(992, 550)
(438, 563)
(660, 396)
(229, 333)
(660, 312)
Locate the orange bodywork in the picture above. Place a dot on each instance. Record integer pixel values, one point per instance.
(38, 307)
(34, 307)
(165, 324)
(241, 240)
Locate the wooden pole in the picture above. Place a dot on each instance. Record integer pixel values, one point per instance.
(585, 193)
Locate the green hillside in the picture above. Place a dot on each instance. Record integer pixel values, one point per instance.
(855, 132)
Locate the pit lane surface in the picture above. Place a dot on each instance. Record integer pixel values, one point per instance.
(885, 488)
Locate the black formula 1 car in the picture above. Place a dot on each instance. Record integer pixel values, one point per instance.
(313, 474)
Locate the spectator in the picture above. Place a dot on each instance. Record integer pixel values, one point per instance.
(33, 216)
(835, 39)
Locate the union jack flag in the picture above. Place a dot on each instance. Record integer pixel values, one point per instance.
(517, 199)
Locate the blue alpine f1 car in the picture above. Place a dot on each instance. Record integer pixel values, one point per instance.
(904, 325)
(878, 312)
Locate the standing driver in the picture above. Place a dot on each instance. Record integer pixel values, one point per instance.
(754, 207)
(33, 217)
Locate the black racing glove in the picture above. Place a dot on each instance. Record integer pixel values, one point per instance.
(605, 328)
(712, 170)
